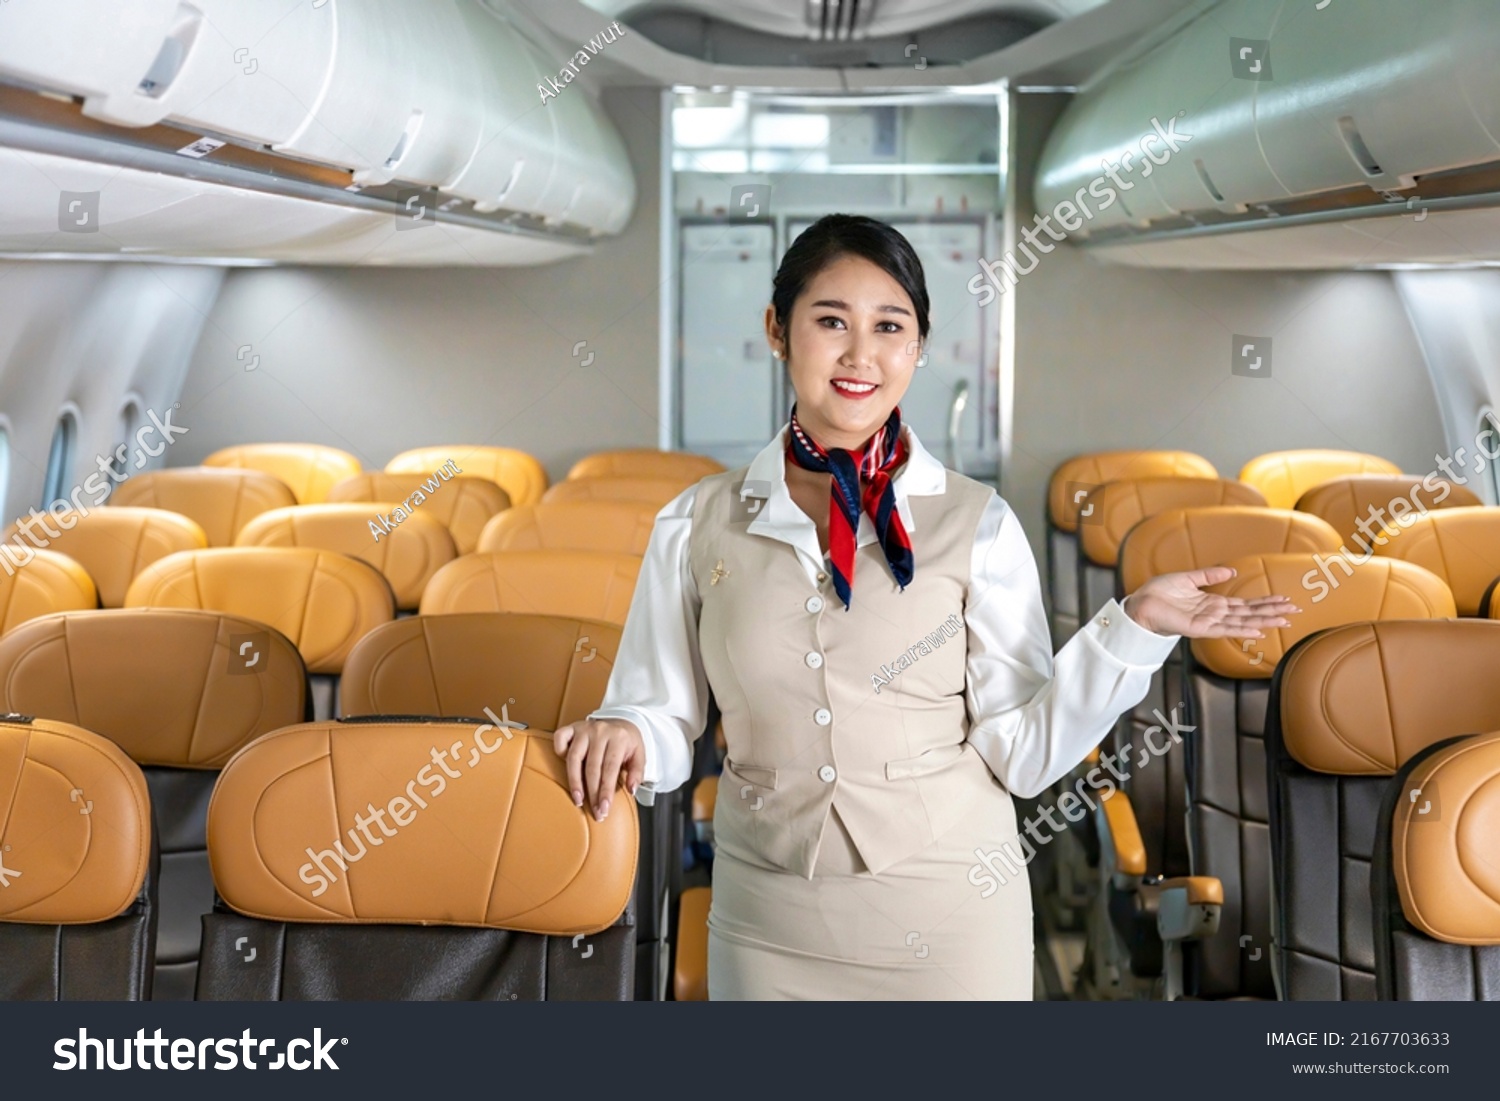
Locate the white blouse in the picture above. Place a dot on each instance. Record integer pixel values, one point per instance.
(1033, 716)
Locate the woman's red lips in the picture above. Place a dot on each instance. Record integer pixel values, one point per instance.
(853, 388)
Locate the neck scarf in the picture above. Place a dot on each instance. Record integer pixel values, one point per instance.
(861, 481)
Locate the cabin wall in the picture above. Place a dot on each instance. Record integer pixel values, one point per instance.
(1112, 357)
(92, 338)
(378, 361)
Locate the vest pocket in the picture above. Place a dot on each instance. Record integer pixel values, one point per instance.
(934, 760)
(751, 774)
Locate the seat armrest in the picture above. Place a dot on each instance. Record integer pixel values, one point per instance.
(1121, 849)
(690, 969)
(1188, 907)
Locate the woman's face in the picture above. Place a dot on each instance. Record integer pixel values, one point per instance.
(851, 345)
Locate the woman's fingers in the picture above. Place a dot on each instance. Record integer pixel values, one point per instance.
(578, 748)
(609, 775)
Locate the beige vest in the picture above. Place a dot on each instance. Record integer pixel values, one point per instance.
(860, 710)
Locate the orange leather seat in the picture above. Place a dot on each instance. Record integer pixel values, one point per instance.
(1121, 505)
(1345, 501)
(76, 854)
(620, 527)
(1190, 539)
(690, 973)
(523, 478)
(309, 470)
(220, 500)
(584, 584)
(652, 491)
(323, 602)
(112, 544)
(462, 504)
(1284, 476)
(408, 555)
(39, 582)
(646, 462)
(1460, 545)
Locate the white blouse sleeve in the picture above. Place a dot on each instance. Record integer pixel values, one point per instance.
(1034, 717)
(658, 682)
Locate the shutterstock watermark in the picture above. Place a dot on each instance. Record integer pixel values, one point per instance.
(1070, 214)
(995, 867)
(1382, 524)
(67, 511)
(569, 70)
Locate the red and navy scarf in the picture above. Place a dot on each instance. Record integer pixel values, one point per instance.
(861, 480)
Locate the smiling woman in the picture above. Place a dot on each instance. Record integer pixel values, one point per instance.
(868, 805)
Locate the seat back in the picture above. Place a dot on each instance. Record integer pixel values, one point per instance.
(1070, 484)
(40, 582)
(462, 504)
(77, 866)
(1349, 707)
(1171, 542)
(582, 584)
(414, 861)
(523, 478)
(1460, 545)
(323, 602)
(619, 527)
(112, 544)
(1380, 501)
(1116, 507)
(1228, 684)
(309, 470)
(1284, 476)
(172, 689)
(646, 462)
(220, 500)
(656, 492)
(406, 547)
(1437, 896)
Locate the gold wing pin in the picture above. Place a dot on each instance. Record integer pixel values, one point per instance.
(719, 574)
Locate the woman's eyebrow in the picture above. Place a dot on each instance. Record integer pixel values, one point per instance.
(839, 304)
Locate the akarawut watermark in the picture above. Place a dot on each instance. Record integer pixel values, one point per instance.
(67, 511)
(1403, 511)
(1070, 214)
(386, 523)
(989, 874)
(402, 809)
(569, 70)
(949, 628)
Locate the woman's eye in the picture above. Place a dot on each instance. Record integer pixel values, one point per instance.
(831, 321)
(889, 326)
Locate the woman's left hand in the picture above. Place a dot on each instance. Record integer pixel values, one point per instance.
(1175, 604)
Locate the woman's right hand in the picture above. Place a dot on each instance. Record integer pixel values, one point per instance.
(600, 753)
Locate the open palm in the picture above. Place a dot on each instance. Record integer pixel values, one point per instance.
(1175, 604)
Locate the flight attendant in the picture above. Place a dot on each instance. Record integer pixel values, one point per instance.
(871, 626)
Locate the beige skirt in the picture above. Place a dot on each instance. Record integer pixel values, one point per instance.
(930, 928)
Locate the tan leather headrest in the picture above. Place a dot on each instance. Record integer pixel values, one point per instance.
(309, 470)
(1193, 539)
(652, 491)
(170, 687)
(583, 584)
(416, 824)
(1379, 589)
(1443, 850)
(645, 462)
(523, 478)
(1363, 699)
(112, 544)
(462, 504)
(1072, 481)
(220, 500)
(1108, 513)
(75, 825)
(1460, 545)
(621, 527)
(40, 582)
(1284, 476)
(323, 602)
(547, 671)
(1344, 501)
(415, 547)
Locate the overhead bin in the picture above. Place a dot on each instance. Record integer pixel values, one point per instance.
(435, 94)
(1352, 105)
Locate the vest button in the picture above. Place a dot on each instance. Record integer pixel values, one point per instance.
(814, 660)
(822, 577)
(826, 774)
(822, 716)
(814, 603)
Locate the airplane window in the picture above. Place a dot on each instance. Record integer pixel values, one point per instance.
(130, 421)
(60, 459)
(1489, 435)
